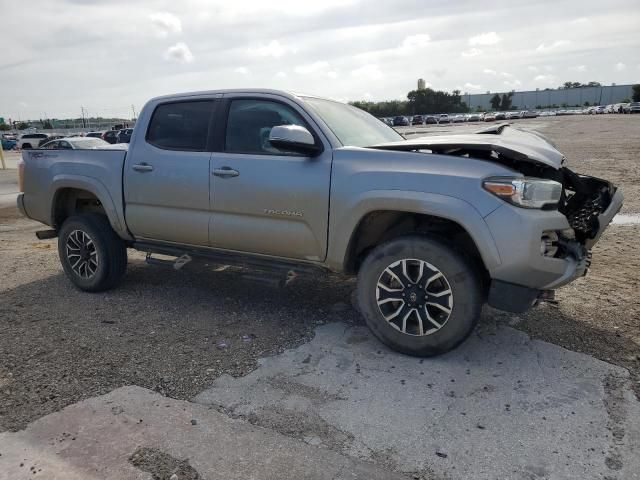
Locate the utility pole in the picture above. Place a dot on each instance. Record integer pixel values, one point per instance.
(82, 112)
(133, 109)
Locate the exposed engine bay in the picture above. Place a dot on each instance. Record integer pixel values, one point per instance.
(583, 198)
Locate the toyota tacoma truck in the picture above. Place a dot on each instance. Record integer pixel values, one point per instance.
(433, 227)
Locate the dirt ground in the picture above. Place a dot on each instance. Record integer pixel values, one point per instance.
(176, 331)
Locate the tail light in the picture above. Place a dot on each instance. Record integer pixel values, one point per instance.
(21, 175)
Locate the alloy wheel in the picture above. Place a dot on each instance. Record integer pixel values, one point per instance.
(82, 254)
(414, 297)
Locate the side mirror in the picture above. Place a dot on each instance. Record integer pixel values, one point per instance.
(294, 138)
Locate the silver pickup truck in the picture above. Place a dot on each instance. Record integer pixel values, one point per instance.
(434, 227)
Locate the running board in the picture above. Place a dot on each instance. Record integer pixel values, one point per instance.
(183, 256)
(46, 234)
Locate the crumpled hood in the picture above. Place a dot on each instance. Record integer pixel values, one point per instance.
(503, 139)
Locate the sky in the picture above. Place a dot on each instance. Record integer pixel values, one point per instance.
(107, 56)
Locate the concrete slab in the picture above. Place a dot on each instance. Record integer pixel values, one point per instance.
(500, 406)
(103, 437)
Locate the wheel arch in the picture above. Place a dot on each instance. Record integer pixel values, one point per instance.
(375, 220)
(74, 194)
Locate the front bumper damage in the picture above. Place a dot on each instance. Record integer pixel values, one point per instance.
(527, 274)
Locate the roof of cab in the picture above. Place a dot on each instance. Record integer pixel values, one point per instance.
(283, 93)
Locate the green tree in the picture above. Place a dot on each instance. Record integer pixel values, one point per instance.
(505, 103)
(22, 126)
(495, 102)
(4, 127)
(636, 92)
(47, 125)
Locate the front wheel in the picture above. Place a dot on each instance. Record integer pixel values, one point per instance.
(419, 296)
(92, 255)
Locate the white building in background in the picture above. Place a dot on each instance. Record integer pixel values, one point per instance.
(604, 95)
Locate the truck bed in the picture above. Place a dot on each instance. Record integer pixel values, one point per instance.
(97, 171)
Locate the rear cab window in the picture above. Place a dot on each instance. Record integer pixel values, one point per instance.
(181, 125)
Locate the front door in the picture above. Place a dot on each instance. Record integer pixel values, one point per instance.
(166, 175)
(265, 200)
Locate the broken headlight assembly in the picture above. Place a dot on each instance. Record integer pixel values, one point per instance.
(526, 192)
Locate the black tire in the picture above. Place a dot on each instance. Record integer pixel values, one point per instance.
(110, 252)
(460, 278)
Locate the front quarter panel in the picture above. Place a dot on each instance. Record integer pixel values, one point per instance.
(366, 180)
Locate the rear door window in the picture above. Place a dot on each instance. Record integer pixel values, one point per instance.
(181, 125)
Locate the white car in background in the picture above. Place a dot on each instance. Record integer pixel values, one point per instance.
(76, 143)
(31, 140)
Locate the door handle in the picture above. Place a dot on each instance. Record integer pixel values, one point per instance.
(142, 167)
(225, 172)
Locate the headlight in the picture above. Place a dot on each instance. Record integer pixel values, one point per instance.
(525, 192)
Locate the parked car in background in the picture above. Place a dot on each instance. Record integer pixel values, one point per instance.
(473, 117)
(400, 121)
(459, 118)
(634, 107)
(95, 134)
(489, 117)
(31, 140)
(124, 135)
(599, 110)
(9, 141)
(431, 120)
(500, 116)
(75, 143)
(444, 118)
(417, 120)
(48, 139)
(110, 136)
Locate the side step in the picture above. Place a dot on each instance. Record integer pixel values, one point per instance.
(46, 234)
(280, 268)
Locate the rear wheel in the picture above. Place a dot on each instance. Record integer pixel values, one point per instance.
(419, 296)
(92, 255)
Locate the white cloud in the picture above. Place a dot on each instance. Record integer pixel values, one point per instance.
(543, 47)
(420, 40)
(272, 49)
(532, 68)
(488, 71)
(513, 84)
(472, 86)
(579, 68)
(241, 70)
(332, 74)
(490, 38)
(179, 52)
(620, 67)
(580, 21)
(549, 79)
(166, 23)
(370, 71)
(472, 52)
(281, 74)
(312, 68)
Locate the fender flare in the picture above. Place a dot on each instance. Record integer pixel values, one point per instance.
(95, 187)
(343, 227)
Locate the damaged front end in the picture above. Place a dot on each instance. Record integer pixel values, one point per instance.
(588, 203)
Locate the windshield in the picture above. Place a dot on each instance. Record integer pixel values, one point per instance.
(352, 126)
(88, 143)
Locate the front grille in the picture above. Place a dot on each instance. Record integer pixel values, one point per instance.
(583, 215)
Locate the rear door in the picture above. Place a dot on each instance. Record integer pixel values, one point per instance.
(265, 200)
(166, 177)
